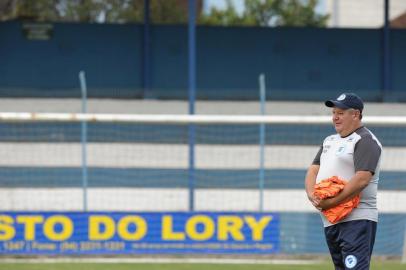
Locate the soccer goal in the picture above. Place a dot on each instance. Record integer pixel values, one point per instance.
(181, 163)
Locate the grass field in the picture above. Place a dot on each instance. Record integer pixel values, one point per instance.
(149, 266)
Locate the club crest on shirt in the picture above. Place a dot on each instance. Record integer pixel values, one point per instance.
(350, 261)
(340, 150)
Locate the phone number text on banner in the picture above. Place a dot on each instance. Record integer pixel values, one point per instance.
(138, 233)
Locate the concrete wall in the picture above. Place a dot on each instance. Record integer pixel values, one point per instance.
(299, 63)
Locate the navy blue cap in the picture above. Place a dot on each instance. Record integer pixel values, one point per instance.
(346, 101)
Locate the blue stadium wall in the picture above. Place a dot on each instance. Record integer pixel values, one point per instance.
(299, 63)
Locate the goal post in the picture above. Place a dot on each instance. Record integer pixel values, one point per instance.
(191, 119)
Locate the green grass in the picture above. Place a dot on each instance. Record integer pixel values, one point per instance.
(139, 266)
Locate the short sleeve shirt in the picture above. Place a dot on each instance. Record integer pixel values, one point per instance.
(343, 157)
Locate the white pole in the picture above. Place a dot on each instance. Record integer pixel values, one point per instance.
(404, 248)
(262, 96)
(83, 87)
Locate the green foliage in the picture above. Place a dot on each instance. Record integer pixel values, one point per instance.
(256, 12)
(268, 13)
(224, 17)
(168, 11)
(296, 13)
(39, 10)
(109, 11)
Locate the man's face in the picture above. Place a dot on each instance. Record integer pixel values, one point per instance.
(345, 121)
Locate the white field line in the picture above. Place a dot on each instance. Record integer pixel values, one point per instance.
(165, 156)
(159, 260)
(144, 199)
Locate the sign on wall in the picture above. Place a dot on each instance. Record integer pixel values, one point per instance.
(138, 233)
(38, 31)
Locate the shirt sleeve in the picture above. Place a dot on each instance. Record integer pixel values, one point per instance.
(316, 160)
(366, 155)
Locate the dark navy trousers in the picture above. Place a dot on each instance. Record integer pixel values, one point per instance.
(351, 244)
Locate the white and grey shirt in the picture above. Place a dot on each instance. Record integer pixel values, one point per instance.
(342, 157)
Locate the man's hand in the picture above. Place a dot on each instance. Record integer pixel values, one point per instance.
(326, 204)
(310, 181)
(315, 201)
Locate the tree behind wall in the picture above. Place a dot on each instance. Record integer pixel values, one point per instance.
(267, 13)
(96, 11)
(255, 13)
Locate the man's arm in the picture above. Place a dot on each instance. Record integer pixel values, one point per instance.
(352, 188)
(310, 181)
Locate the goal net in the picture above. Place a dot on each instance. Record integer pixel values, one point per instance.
(101, 162)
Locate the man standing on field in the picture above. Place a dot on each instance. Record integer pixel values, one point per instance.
(353, 154)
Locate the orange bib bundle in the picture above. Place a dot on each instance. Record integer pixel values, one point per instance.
(329, 188)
